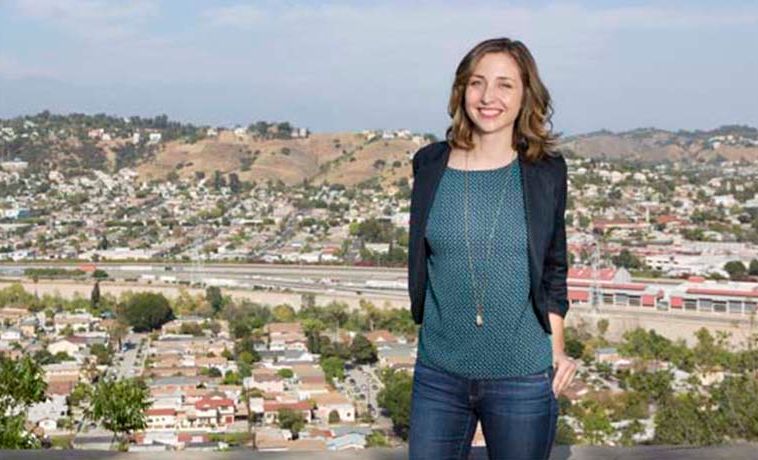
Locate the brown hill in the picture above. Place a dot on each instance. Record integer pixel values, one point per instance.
(653, 146)
(345, 158)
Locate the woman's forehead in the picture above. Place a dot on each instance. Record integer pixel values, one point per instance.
(497, 65)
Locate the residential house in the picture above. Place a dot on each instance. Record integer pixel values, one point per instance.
(333, 401)
(271, 410)
(215, 412)
(161, 419)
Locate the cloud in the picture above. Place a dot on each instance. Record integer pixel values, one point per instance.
(90, 19)
(242, 16)
(421, 13)
(668, 17)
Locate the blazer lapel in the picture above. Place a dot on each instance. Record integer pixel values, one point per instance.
(432, 178)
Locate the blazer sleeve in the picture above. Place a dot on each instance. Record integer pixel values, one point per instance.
(411, 230)
(555, 270)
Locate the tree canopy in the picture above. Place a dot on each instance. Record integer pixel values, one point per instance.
(120, 406)
(21, 385)
(146, 311)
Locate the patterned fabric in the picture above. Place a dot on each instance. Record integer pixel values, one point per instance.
(511, 341)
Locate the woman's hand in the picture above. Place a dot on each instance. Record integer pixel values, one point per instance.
(564, 369)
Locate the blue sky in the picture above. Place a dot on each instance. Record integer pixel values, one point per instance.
(338, 66)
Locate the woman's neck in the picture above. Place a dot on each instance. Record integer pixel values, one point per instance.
(492, 147)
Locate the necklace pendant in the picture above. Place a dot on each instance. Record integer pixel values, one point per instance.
(479, 320)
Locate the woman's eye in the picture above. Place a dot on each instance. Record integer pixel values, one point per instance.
(474, 83)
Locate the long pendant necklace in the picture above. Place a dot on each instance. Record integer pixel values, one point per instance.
(479, 296)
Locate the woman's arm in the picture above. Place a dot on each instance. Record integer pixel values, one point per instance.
(556, 324)
(564, 367)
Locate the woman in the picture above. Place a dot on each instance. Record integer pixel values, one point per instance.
(487, 266)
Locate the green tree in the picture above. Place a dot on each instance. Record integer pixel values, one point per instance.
(683, 419)
(602, 326)
(710, 351)
(285, 373)
(736, 269)
(312, 328)
(753, 269)
(362, 350)
(595, 424)
(232, 378)
(146, 311)
(564, 433)
(95, 296)
(376, 439)
(291, 420)
(627, 260)
(574, 346)
(21, 385)
(120, 406)
(395, 397)
(214, 298)
(656, 386)
(81, 393)
(334, 368)
(246, 346)
(102, 353)
(283, 313)
(118, 332)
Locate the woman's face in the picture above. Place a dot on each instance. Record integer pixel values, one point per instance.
(493, 93)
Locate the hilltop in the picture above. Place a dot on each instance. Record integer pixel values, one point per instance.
(651, 145)
(159, 149)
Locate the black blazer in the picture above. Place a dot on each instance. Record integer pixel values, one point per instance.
(545, 203)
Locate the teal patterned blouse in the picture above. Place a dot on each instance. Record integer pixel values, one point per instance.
(511, 341)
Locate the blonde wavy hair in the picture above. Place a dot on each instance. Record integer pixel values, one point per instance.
(532, 133)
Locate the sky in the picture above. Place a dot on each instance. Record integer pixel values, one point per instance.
(353, 65)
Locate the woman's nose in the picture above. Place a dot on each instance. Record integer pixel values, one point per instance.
(487, 94)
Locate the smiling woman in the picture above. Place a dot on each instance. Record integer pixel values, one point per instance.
(501, 83)
(491, 309)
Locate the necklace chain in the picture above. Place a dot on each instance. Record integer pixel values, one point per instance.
(479, 296)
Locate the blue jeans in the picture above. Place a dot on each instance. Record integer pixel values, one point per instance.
(518, 414)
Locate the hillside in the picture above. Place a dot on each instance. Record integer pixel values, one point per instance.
(345, 158)
(728, 143)
(158, 148)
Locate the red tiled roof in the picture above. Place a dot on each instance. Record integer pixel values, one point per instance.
(60, 387)
(208, 403)
(619, 286)
(605, 274)
(276, 405)
(159, 412)
(723, 292)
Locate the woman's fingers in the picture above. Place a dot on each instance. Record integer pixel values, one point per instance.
(563, 375)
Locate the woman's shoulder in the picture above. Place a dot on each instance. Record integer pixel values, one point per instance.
(428, 153)
(554, 162)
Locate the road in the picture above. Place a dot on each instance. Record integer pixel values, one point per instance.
(130, 362)
(364, 388)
